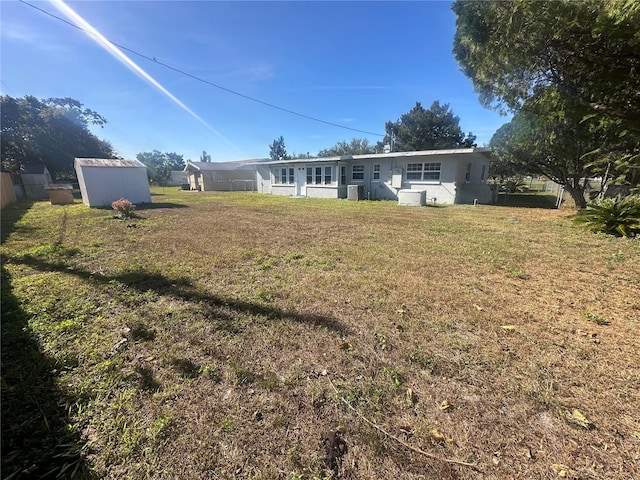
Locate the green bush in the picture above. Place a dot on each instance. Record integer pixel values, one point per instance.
(614, 216)
(514, 185)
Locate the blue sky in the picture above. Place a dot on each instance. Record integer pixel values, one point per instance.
(357, 64)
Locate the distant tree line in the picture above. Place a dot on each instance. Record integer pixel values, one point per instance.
(434, 128)
(160, 165)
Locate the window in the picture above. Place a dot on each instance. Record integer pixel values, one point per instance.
(467, 175)
(327, 175)
(484, 171)
(376, 172)
(283, 175)
(423, 171)
(357, 172)
(319, 175)
(343, 175)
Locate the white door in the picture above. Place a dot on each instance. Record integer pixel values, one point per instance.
(301, 182)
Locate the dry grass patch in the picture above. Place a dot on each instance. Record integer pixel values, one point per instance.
(221, 339)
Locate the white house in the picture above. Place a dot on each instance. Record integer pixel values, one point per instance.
(222, 176)
(104, 180)
(445, 176)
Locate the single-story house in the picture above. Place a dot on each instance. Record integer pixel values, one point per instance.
(104, 180)
(222, 176)
(445, 176)
(35, 176)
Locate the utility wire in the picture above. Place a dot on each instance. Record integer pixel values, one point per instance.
(153, 59)
(7, 87)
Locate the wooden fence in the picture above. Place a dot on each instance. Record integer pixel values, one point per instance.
(7, 192)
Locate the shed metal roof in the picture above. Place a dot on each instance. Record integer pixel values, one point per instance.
(108, 162)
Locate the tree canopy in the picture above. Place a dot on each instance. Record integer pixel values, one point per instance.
(427, 129)
(52, 131)
(277, 150)
(542, 138)
(159, 165)
(205, 157)
(590, 50)
(357, 146)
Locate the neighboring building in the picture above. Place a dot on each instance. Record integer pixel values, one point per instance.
(7, 192)
(222, 176)
(177, 178)
(447, 176)
(104, 180)
(35, 176)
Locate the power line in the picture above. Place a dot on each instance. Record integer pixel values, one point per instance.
(228, 90)
(7, 87)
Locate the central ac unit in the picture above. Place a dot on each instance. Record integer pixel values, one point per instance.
(355, 192)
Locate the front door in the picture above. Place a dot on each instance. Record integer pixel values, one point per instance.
(301, 182)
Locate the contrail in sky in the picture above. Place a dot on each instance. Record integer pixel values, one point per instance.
(123, 58)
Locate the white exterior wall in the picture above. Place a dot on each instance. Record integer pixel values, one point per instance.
(442, 191)
(263, 179)
(476, 188)
(286, 189)
(318, 191)
(100, 186)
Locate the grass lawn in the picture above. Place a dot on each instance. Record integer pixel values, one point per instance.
(239, 335)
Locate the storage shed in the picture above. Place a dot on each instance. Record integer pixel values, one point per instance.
(35, 176)
(104, 180)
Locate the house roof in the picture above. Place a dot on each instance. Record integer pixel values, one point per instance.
(224, 166)
(33, 169)
(108, 162)
(373, 156)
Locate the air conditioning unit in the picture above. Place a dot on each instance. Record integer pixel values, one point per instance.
(355, 192)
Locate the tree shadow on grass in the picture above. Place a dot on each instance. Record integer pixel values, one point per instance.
(527, 200)
(156, 205)
(36, 440)
(225, 311)
(11, 214)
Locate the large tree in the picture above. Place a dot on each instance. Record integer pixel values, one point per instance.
(427, 129)
(550, 137)
(159, 165)
(277, 150)
(52, 131)
(205, 157)
(357, 146)
(590, 50)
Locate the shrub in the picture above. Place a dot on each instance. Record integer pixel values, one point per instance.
(514, 185)
(124, 208)
(614, 216)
